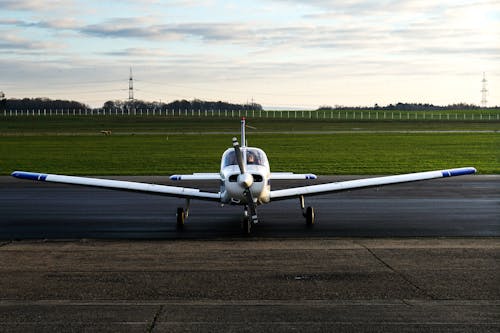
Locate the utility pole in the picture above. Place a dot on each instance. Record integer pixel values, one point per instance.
(131, 92)
(484, 92)
(130, 86)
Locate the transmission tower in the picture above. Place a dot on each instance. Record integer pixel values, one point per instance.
(484, 92)
(130, 86)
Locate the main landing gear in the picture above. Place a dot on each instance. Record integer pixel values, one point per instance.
(182, 215)
(308, 212)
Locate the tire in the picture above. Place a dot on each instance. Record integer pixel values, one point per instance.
(246, 224)
(181, 217)
(310, 216)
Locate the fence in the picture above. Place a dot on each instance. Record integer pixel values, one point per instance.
(345, 115)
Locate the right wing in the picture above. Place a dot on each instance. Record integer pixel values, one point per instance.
(172, 191)
(367, 182)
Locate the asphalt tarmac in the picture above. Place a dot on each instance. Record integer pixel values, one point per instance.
(404, 258)
(460, 206)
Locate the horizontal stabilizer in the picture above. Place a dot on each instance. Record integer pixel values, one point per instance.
(197, 176)
(291, 175)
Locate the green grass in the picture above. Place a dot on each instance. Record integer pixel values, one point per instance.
(346, 153)
(151, 125)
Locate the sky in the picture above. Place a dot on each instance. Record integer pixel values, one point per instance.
(278, 53)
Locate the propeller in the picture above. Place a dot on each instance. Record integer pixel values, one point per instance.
(245, 180)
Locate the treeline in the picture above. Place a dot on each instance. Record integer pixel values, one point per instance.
(183, 105)
(405, 107)
(199, 105)
(196, 104)
(41, 104)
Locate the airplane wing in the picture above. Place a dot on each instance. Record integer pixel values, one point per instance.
(172, 191)
(368, 182)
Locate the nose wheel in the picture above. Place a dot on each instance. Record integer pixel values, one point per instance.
(246, 225)
(248, 219)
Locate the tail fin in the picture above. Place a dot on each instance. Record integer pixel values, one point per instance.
(243, 139)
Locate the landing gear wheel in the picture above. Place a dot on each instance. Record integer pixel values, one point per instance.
(246, 223)
(181, 217)
(310, 216)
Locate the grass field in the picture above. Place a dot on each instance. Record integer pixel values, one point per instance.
(356, 153)
(157, 145)
(147, 125)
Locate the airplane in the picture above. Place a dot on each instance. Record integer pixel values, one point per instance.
(245, 179)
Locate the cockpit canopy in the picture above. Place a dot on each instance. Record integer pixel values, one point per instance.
(251, 156)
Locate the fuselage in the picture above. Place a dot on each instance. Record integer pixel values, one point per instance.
(256, 177)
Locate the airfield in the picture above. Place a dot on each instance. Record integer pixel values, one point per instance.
(403, 258)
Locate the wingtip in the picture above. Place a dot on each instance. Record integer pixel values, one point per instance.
(29, 175)
(459, 172)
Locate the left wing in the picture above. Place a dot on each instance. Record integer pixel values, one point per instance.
(368, 182)
(172, 191)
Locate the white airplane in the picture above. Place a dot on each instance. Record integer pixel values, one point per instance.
(245, 179)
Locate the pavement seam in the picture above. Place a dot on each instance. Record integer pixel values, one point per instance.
(152, 326)
(403, 276)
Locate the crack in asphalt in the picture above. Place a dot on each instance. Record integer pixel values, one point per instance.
(151, 326)
(400, 274)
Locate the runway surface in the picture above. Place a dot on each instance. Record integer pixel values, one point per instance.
(255, 285)
(146, 276)
(461, 206)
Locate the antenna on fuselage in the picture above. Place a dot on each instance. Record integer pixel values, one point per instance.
(243, 138)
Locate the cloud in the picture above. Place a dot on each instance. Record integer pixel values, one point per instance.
(33, 5)
(12, 42)
(139, 28)
(138, 52)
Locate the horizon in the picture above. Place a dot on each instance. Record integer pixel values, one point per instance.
(280, 54)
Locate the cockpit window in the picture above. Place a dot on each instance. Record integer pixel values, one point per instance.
(230, 158)
(254, 157)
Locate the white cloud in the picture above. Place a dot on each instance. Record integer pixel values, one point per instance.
(34, 5)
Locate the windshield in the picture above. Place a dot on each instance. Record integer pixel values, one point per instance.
(253, 156)
(229, 158)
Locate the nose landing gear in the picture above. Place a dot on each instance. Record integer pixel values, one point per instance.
(247, 220)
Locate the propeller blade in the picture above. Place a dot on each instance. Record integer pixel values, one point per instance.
(239, 156)
(246, 181)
